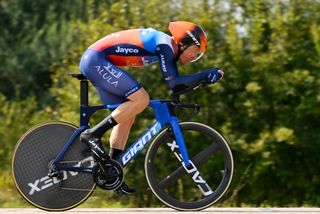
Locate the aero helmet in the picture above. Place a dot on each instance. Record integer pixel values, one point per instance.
(187, 34)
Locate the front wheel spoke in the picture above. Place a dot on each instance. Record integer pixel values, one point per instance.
(181, 171)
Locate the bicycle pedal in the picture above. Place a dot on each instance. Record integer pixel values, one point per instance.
(60, 183)
(120, 193)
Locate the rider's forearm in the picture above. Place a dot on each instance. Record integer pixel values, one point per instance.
(181, 82)
(210, 75)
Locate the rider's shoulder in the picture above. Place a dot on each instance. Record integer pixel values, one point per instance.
(164, 39)
(156, 34)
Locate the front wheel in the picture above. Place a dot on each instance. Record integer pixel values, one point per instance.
(201, 184)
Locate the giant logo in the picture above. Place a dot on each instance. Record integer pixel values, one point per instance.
(140, 143)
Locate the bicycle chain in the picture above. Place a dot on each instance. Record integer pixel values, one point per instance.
(77, 189)
(76, 161)
(82, 190)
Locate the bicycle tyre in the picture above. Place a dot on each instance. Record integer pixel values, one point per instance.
(30, 165)
(177, 190)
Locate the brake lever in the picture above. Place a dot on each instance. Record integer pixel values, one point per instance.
(195, 107)
(175, 95)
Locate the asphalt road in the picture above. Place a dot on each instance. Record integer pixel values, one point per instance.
(168, 210)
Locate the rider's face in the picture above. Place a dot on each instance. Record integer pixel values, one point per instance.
(189, 54)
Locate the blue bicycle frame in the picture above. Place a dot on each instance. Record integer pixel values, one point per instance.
(164, 117)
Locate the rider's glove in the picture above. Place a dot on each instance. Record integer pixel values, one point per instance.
(214, 75)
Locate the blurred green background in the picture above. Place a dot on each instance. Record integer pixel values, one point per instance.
(267, 106)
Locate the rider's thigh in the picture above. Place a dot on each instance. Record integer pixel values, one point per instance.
(107, 77)
(140, 97)
(109, 98)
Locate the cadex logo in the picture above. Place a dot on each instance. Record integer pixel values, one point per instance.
(45, 182)
(192, 170)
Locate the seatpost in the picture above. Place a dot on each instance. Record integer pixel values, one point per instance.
(84, 98)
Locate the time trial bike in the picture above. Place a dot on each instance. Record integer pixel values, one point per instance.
(188, 165)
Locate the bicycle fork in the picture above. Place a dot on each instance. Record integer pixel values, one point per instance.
(178, 147)
(180, 140)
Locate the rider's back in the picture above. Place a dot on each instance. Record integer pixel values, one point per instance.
(135, 47)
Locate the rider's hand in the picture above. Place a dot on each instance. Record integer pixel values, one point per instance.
(214, 75)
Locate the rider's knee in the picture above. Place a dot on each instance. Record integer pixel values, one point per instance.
(141, 99)
(145, 100)
(130, 121)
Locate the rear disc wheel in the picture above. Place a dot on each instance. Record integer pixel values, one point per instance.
(31, 161)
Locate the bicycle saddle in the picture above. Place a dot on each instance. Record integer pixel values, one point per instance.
(78, 76)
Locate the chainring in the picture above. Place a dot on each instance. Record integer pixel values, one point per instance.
(108, 175)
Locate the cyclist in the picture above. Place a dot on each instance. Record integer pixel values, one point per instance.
(137, 48)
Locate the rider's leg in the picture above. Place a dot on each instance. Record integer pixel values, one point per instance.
(135, 104)
(126, 112)
(119, 135)
(118, 139)
(114, 86)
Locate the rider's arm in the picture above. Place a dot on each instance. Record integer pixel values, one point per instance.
(170, 71)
